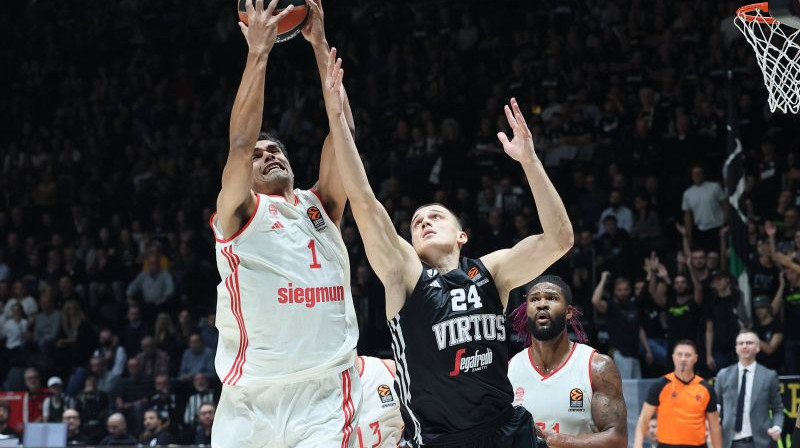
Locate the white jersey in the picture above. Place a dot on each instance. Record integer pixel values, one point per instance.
(561, 401)
(380, 423)
(284, 309)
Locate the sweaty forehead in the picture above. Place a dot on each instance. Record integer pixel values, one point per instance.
(545, 288)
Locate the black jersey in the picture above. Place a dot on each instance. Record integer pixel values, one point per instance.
(449, 342)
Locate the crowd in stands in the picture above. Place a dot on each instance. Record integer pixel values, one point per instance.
(116, 133)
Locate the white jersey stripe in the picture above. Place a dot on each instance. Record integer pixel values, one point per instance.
(403, 375)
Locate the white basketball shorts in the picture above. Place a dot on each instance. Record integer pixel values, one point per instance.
(321, 413)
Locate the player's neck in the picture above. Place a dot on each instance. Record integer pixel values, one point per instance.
(550, 355)
(284, 190)
(445, 263)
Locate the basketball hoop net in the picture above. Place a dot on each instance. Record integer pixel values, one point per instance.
(777, 53)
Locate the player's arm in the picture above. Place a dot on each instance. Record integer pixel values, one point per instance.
(329, 186)
(392, 258)
(236, 201)
(530, 257)
(608, 411)
(712, 365)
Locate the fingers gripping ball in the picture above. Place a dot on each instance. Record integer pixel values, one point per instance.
(290, 25)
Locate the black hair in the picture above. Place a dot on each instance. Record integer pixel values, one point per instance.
(556, 280)
(263, 135)
(688, 342)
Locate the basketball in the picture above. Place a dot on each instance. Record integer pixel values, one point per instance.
(291, 25)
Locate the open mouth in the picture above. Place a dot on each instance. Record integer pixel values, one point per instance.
(428, 232)
(542, 318)
(271, 167)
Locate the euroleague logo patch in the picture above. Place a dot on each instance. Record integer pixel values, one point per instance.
(576, 398)
(385, 394)
(316, 218)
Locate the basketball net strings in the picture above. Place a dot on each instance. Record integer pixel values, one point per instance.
(519, 323)
(777, 55)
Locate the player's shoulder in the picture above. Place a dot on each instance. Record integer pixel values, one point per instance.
(602, 371)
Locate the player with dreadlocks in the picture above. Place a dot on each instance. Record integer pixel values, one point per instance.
(573, 393)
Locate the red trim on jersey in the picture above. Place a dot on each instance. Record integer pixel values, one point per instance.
(284, 197)
(348, 408)
(387, 367)
(363, 366)
(223, 240)
(232, 284)
(316, 193)
(591, 383)
(544, 377)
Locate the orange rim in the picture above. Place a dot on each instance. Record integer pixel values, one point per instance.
(744, 13)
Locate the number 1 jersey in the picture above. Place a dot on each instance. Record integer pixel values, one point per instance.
(284, 309)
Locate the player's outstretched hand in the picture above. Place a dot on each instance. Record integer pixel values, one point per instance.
(520, 148)
(334, 94)
(262, 28)
(314, 29)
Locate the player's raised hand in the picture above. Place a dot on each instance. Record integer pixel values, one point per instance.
(333, 92)
(314, 29)
(262, 27)
(520, 148)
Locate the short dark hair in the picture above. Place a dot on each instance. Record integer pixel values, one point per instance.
(263, 135)
(439, 204)
(688, 342)
(556, 280)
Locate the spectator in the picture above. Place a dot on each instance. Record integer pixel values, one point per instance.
(156, 432)
(209, 332)
(202, 394)
(47, 324)
(186, 327)
(133, 393)
(94, 405)
(646, 224)
(196, 359)
(134, 331)
(791, 314)
(651, 437)
(622, 321)
(750, 398)
(704, 210)
(168, 341)
(770, 333)
(205, 417)
(21, 297)
(75, 437)
(685, 403)
(112, 354)
(724, 317)
(6, 430)
(164, 400)
(76, 339)
(55, 405)
(614, 248)
(152, 360)
(763, 275)
(14, 330)
(36, 395)
(117, 432)
(619, 211)
(154, 285)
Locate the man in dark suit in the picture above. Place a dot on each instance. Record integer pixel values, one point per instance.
(747, 391)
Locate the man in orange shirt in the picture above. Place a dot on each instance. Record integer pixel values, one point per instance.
(685, 402)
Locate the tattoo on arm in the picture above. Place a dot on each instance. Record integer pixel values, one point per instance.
(608, 406)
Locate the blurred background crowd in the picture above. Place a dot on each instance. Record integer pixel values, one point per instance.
(116, 133)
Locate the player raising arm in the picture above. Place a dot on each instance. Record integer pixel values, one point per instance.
(446, 312)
